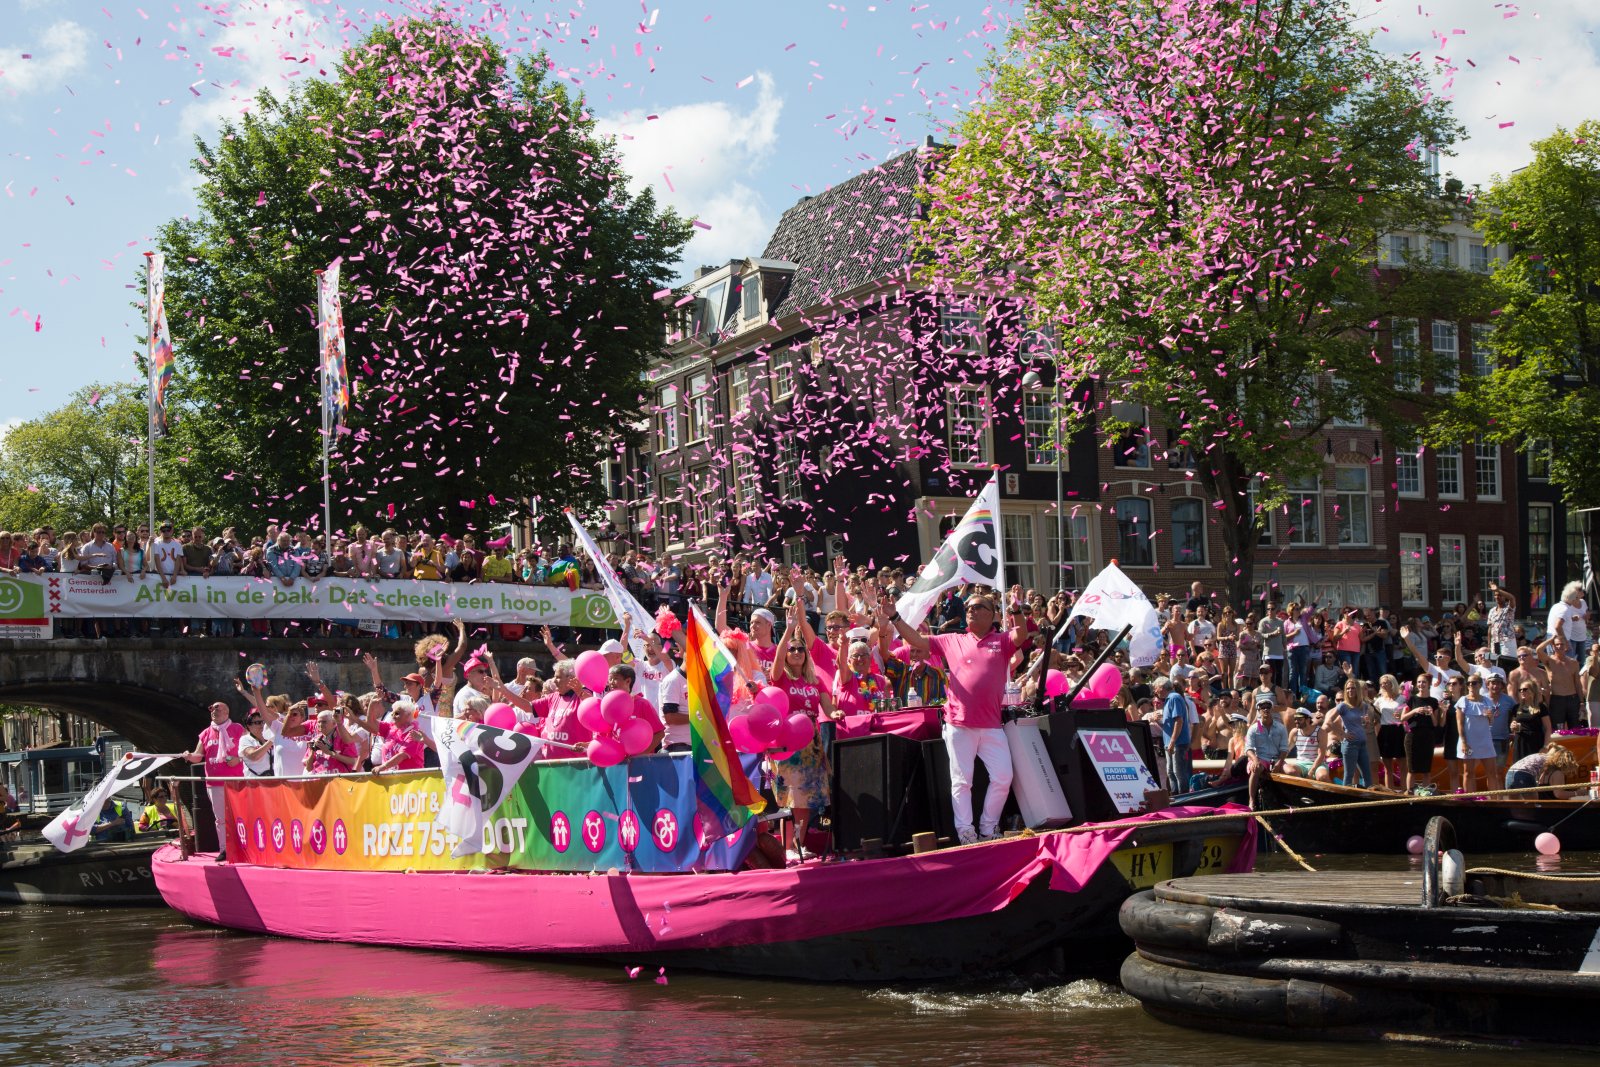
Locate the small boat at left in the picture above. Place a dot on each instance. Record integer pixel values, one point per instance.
(111, 873)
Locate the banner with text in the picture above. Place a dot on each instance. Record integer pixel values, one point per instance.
(563, 815)
(28, 602)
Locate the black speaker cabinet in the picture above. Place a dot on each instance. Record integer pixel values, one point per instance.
(937, 759)
(880, 790)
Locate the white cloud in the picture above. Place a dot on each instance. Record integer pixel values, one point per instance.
(62, 50)
(697, 157)
(266, 44)
(1535, 68)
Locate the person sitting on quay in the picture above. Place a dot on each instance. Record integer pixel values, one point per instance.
(1267, 748)
(977, 661)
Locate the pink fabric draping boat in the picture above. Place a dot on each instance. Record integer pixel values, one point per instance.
(820, 920)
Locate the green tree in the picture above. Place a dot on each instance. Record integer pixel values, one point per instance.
(1544, 389)
(78, 465)
(497, 286)
(1193, 195)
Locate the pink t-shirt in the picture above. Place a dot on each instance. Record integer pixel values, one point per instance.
(217, 745)
(559, 713)
(825, 661)
(765, 656)
(977, 676)
(848, 695)
(321, 762)
(804, 696)
(407, 740)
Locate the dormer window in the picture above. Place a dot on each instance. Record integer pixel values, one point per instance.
(751, 294)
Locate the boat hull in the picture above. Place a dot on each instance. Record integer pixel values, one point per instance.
(1491, 825)
(95, 874)
(963, 911)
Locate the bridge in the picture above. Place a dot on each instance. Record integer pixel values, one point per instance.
(155, 691)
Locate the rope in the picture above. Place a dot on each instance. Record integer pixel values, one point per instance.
(1267, 826)
(1535, 877)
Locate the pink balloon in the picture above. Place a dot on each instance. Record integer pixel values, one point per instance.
(778, 698)
(529, 728)
(591, 717)
(606, 752)
(798, 730)
(1106, 681)
(617, 707)
(765, 722)
(593, 670)
(743, 739)
(636, 736)
(502, 715)
(1055, 683)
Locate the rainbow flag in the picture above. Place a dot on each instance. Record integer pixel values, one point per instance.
(160, 342)
(330, 330)
(726, 795)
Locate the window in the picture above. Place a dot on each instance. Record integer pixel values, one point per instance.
(1478, 258)
(750, 291)
(1303, 512)
(1408, 472)
(1019, 549)
(1413, 570)
(782, 370)
(961, 330)
(969, 425)
(1403, 343)
(1452, 569)
(710, 310)
(703, 504)
(1447, 357)
(1361, 594)
(1539, 459)
(1132, 448)
(699, 407)
(1188, 533)
(1395, 248)
(1482, 349)
(1039, 427)
(1440, 251)
(667, 419)
(673, 513)
(1355, 413)
(1353, 506)
(1074, 571)
(1575, 520)
(739, 390)
(1133, 532)
(1541, 527)
(1491, 562)
(1486, 457)
(1447, 471)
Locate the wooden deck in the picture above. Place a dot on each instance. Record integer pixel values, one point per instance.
(1296, 891)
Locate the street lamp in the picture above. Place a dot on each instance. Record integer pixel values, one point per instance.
(1032, 380)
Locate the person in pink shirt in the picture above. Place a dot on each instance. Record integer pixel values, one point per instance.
(558, 712)
(332, 749)
(977, 660)
(860, 687)
(218, 748)
(402, 742)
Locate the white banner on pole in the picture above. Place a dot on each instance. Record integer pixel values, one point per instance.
(974, 552)
(35, 597)
(73, 828)
(1112, 601)
(622, 602)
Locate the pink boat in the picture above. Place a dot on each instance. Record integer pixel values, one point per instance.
(952, 912)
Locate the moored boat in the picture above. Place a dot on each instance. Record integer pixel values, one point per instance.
(109, 873)
(1492, 824)
(1448, 953)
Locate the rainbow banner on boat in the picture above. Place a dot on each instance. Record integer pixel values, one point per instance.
(562, 815)
(727, 796)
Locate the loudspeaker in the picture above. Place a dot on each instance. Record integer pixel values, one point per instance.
(879, 791)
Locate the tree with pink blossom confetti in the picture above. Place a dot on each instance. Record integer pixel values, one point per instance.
(497, 282)
(1192, 193)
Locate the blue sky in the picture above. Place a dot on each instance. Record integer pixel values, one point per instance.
(731, 110)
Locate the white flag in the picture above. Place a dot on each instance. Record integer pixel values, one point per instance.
(1112, 601)
(72, 829)
(974, 552)
(481, 765)
(622, 602)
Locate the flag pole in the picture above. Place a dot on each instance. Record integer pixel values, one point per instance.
(150, 383)
(322, 379)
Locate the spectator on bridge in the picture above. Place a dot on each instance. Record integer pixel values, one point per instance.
(10, 553)
(281, 561)
(165, 557)
(218, 749)
(497, 566)
(99, 555)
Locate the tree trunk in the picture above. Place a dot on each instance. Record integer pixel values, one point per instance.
(1226, 480)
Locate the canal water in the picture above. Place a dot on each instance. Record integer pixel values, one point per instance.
(144, 987)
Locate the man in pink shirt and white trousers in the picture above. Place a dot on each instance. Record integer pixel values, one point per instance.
(977, 660)
(218, 746)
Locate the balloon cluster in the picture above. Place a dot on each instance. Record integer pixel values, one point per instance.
(623, 724)
(1104, 683)
(768, 728)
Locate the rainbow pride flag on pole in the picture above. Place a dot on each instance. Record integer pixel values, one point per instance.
(727, 796)
(159, 342)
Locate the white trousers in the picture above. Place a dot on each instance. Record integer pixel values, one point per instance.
(219, 796)
(966, 745)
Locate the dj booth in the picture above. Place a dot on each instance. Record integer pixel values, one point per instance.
(891, 772)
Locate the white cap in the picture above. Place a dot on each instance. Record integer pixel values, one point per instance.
(612, 647)
(763, 613)
(859, 633)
